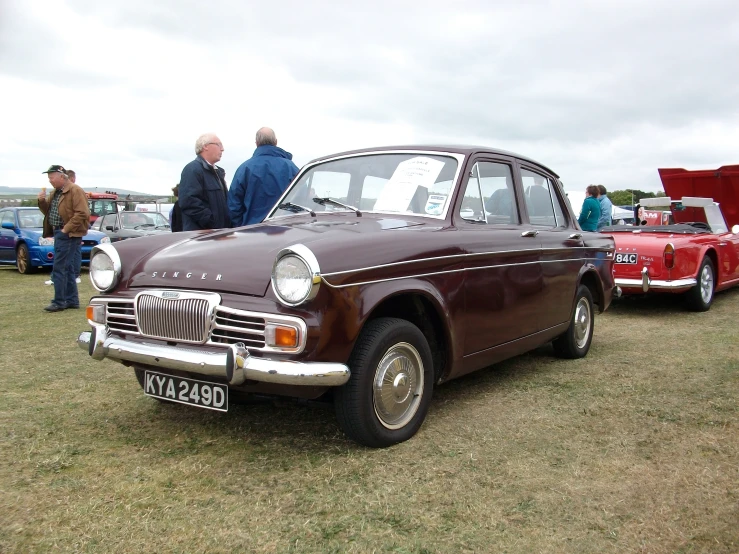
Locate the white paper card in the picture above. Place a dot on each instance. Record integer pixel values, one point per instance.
(408, 176)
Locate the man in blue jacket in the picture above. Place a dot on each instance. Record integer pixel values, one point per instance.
(203, 195)
(606, 208)
(260, 181)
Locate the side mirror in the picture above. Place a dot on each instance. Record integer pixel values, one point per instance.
(734, 229)
(8, 225)
(109, 228)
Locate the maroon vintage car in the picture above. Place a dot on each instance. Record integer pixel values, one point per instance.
(379, 274)
(697, 254)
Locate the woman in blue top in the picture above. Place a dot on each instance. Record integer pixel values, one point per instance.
(590, 213)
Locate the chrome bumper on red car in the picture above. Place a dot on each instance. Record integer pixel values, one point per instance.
(645, 283)
(235, 364)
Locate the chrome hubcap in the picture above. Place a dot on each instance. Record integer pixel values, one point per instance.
(582, 322)
(398, 386)
(706, 284)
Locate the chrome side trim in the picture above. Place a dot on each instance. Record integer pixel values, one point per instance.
(462, 257)
(234, 364)
(422, 275)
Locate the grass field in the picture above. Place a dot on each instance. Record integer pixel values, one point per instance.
(633, 449)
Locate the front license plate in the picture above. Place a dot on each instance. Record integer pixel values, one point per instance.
(202, 394)
(624, 258)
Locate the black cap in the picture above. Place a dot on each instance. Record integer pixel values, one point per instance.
(55, 169)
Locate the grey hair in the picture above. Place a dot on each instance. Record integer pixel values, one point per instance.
(203, 140)
(266, 137)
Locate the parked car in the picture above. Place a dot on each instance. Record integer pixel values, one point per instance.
(696, 255)
(22, 245)
(131, 224)
(378, 275)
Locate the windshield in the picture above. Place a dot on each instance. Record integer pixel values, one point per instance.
(30, 219)
(132, 220)
(419, 184)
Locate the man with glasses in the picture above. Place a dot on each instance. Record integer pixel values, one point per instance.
(203, 192)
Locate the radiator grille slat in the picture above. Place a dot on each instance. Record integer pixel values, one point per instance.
(173, 319)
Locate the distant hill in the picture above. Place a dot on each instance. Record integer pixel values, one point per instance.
(24, 191)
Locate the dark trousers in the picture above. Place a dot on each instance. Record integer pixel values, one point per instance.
(65, 271)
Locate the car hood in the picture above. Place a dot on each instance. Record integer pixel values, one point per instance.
(721, 184)
(240, 260)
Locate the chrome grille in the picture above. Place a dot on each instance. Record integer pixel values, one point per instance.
(231, 327)
(121, 316)
(180, 319)
(180, 315)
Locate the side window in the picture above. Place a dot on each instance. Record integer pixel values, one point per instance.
(7, 217)
(471, 207)
(489, 196)
(109, 220)
(559, 211)
(539, 199)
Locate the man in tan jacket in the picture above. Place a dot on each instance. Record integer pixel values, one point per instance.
(67, 220)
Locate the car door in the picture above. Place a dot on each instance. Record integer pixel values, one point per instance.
(7, 236)
(562, 245)
(502, 275)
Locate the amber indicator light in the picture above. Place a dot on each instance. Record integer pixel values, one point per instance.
(286, 337)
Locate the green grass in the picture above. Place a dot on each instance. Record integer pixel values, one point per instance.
(633, 449)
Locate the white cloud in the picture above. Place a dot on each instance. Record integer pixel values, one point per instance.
(603, 93)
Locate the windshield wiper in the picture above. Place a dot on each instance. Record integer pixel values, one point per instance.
(295, 208)
(327, 200)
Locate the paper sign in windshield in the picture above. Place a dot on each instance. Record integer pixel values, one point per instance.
(408, 176)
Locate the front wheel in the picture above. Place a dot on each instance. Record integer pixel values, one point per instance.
(575, 342)
(23, 260)
(700, 297)
(388, 394)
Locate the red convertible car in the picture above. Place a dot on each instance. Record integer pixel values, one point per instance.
(378, 275)
(698, 254)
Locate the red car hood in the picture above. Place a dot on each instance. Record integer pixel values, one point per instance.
(721, 184)
(241, 260)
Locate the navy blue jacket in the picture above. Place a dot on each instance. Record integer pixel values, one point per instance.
(203, 197)
(258, 183)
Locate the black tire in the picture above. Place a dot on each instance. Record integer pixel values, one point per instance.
(575, 342)
(388, 394)
(23, 260)
(700, 297)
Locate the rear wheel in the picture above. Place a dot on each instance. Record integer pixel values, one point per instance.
(23, 260)
(575, 342)
(700, 297)
(387, 396)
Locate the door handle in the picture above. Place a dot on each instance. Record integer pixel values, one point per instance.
(531, 233)
(575, 236)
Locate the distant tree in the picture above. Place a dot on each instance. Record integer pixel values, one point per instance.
(624, 197)
(30, 202)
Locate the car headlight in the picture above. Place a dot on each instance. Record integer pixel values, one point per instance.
(296, 276)
(105, 240)
(46, 241)
(105, 267)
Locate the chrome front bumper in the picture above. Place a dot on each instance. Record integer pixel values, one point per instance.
(236, 365)
(645, 283)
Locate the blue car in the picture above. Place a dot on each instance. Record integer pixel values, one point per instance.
(22, 245)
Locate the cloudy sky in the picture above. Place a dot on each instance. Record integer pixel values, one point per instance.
(601, 92)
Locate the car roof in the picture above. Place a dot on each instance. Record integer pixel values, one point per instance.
(466, 150)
